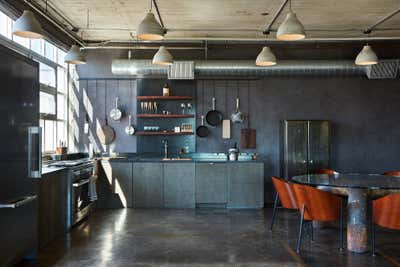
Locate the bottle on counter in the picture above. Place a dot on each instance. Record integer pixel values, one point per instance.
(166, 90)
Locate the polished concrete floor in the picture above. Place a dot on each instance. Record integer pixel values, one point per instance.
(128, 237)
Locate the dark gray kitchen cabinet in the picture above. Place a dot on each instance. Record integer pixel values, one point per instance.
(117, 185)
(52, 202)
(179, 185)
(147, 185)
(211, 183)
(245, 185)
(306, 146)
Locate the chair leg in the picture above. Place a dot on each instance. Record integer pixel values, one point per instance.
(312, 230)
(341, 246)
(274, 210)
(372, 229)
(300, 230)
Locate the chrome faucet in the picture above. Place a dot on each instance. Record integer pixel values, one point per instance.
(165, 142)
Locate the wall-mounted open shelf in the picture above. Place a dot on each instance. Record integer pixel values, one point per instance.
(162, 133)
(154, 97)
(165, 116)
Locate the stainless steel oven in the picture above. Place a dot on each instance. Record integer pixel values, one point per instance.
(80, 193)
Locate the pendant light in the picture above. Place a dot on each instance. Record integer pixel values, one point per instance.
(291, 28)
(163, 57)
(266, 57)
(149, 29)
(366, 56)
(74, 56)
(27, 26)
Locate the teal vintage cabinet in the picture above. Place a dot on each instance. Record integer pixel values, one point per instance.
(245, 185)
(211, 184)
(179, 185)
(147, 185)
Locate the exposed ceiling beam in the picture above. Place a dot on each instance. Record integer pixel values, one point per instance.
(372, 27)
(56, 23)
(276, 15)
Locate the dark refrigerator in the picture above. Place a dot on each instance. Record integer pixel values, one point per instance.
(20, 156)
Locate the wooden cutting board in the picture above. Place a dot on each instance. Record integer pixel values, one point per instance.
(248, 138)
(226, 129)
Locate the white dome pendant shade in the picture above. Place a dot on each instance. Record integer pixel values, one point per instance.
(149, 29)
(266, 57)
(291, 29)
(74, 56)
(366, 57)
(27, 26)
(163, 57)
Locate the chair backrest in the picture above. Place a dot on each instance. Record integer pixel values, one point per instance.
(326, 171)
(285, 193)
(387, 211)
(319, 205)
(392, 173)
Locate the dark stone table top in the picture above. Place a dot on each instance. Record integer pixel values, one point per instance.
(350, 180)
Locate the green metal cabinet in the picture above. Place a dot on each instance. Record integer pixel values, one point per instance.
(119, 182)
(179, 185)
(147, 185)
(245, 185)
(211, 183)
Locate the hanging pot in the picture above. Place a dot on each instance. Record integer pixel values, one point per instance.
(130, 130)
(238, 116)
(116, 113)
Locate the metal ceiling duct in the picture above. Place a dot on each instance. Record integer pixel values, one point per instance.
(244, 68)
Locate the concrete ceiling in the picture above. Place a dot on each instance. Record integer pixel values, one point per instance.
(100, 20)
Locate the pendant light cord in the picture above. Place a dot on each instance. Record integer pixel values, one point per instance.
(151, 5)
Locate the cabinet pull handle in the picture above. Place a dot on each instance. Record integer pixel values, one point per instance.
(211, 163)
(18, 203)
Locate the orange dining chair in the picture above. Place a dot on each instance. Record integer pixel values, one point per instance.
(284, 195)
(392, 173)
(385, 213)
(317, 205)
(326, 171)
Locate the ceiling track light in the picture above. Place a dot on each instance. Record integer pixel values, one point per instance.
(266, 57)
(163, 57)
(291, 28)
(28, 26)
(75, 56)
(366, 57)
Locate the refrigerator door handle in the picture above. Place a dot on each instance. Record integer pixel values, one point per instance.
(34, 170)
(16, 203)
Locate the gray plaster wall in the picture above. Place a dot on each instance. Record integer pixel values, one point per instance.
(364, 113)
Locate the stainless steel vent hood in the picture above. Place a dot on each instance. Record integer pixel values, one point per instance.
(244, 68)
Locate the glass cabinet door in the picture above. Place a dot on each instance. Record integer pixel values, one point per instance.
(318, 145)
(295, 148)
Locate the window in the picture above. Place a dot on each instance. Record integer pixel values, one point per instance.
(53, 85)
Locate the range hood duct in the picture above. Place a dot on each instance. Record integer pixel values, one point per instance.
(244, 68)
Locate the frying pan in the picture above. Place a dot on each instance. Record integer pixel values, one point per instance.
(116, 113)
(214, 117)
(130, 130)
(202, 130)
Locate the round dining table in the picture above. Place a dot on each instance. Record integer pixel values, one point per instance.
(360, 190)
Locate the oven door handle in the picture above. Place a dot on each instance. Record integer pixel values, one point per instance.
(81, 182)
